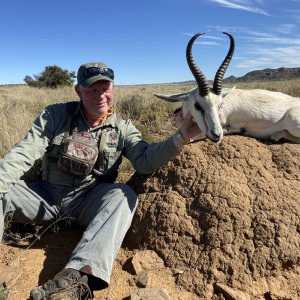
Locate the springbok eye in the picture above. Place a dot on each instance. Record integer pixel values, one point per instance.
(198, 107)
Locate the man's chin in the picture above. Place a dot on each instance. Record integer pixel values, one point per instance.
(102, 109)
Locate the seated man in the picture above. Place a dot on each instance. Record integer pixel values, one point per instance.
(82, 144)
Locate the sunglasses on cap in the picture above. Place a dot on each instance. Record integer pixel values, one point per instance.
(94, 71)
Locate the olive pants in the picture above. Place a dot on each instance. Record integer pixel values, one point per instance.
(105, 210)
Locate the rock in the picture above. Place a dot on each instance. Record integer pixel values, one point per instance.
(131, 281)
(150, 294)
(277, 296)
(146, 260)
(230, 293)
(142, 280)
(176, 272)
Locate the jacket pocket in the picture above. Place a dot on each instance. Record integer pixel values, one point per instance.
(54, 149)
(112, 160)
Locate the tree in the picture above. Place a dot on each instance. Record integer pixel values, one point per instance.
(29, 81)
(52, 76)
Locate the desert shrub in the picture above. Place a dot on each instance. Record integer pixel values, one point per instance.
(151, 116)
(51, 77)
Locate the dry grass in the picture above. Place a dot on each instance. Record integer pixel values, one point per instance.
(20, 104)
(290, 87)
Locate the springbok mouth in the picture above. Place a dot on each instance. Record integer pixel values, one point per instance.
(215, 141)
(214, 137)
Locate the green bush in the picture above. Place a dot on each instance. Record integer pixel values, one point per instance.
(51, 77)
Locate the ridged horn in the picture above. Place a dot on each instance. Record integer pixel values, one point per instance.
(198, 75)
(217, 85)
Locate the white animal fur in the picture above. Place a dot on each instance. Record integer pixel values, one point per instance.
(257, 113)
(261, 114)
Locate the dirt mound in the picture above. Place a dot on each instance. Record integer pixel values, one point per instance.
(223, 218)
(226, 213)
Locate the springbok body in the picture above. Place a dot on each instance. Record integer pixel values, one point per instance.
(261, 114)
(257, 113)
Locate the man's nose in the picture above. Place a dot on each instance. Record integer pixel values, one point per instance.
(101, 92)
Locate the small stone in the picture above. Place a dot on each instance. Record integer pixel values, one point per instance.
(278, 296)
(146, 260)
(131, 281)
(150, 294)
(142, 280)
(176, 272)
(230, 293)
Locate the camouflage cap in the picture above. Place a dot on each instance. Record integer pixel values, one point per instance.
(89, 73)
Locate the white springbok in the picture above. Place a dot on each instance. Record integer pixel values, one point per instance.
(257, 113)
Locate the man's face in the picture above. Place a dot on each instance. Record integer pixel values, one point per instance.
(96, 98)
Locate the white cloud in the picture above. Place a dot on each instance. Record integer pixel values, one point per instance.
(286, 28)
(245, 5)
(278, 47)
(275, 40)
(256, 34)
(270, 58)
(206, 39)
(210, 43)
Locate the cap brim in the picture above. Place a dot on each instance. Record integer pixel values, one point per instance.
(93, 79)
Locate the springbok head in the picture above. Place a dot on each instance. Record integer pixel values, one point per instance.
(203, 101)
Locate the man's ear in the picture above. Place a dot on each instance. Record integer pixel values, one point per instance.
(77, 90)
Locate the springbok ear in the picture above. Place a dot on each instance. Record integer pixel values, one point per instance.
(227, 91)
(173, 98)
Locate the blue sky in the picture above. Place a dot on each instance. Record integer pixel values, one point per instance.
(145, 41)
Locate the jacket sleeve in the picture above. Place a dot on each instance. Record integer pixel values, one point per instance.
(23, 155)
(147, 158)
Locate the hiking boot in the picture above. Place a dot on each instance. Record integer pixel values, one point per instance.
(68, 284)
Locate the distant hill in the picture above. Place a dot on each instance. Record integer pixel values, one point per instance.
(266, 75)
(258, 75)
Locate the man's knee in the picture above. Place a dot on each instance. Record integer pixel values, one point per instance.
(127, 194)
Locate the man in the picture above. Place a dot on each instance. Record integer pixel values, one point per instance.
(82, 144)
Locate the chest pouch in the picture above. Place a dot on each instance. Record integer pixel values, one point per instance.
(79, 152)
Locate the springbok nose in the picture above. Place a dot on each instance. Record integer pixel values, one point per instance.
(215, 136)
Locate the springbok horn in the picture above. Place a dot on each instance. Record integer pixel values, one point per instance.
(198, 75)
(217, 85)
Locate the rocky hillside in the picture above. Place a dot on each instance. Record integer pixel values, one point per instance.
(266, 75)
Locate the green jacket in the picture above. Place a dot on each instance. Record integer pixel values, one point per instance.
(44, 139)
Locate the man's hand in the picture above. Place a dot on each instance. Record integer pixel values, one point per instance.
(187, 127)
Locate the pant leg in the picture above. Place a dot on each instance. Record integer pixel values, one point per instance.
(107, 211)
(30, 202)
